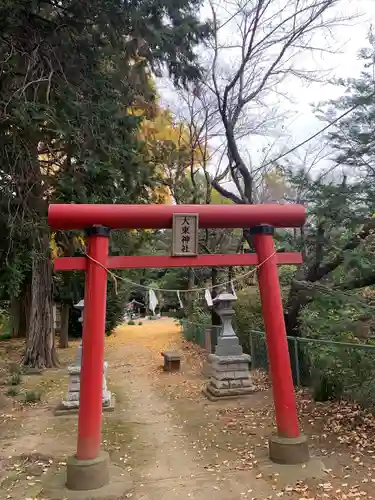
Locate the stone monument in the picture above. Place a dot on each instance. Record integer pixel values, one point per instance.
(71, 403)
(229, 366)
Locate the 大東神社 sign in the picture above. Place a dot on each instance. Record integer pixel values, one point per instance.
(185, 235)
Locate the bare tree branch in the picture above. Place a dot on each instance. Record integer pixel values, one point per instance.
(262, 54)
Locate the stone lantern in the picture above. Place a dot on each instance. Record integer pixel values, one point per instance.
(71, 402)
(229, 372)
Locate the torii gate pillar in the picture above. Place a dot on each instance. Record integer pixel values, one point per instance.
(89, 468)
(288, 446)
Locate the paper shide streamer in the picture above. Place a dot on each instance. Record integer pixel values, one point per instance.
(179, 299)
(153, 301)
(208, 297)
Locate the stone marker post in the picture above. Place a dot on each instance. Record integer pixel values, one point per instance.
(71, 402)
(230, 376)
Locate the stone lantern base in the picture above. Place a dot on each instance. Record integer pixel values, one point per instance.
(229, 377)
(71, 403)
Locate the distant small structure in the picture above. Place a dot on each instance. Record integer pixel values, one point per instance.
(134, 308)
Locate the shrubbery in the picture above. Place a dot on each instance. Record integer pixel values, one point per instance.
(338, 371)
(75, 326)
(115, 308)
(248, 315)
(194, 326)
(332, 371)
(5, 327)
(114, 315)
(178, 313)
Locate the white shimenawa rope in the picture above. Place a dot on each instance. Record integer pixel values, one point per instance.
(116, 277)
(153, 301)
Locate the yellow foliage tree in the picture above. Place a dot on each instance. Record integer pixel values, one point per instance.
(217, 199)
(58, 249)
(169, 147)
(275, 187)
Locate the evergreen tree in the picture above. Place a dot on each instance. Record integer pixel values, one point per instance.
(338, 241)
(353, 137)
(69, 73)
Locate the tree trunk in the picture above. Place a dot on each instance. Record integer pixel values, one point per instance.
(230, 278)
(40, 351)
(64, 326)
(214, 294)
(18, 318)
(215, 318)
(20, 312)
(292, 311)
(189, 298)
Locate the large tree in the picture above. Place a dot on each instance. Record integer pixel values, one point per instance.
(341, 211)
(69, 73)
(264, 53)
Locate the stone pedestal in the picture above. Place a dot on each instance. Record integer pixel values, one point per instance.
(207, 368)
(71, 403)
(230, 377)
(86, 475)
(228, 366)
(288, 451)
(172, 361)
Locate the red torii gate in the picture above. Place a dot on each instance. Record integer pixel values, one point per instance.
(288, 446)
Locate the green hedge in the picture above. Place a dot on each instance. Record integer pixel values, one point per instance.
(174, 314)
(114, 314)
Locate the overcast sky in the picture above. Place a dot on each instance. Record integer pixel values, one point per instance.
(344, 64)
(349, 38)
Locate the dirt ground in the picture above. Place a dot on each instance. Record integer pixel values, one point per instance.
(172, 441)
